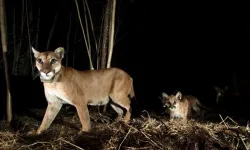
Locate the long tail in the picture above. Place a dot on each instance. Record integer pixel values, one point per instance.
(134, 102)
(132, 92)
(204, 107)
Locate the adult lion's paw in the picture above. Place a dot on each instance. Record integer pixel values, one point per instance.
(33, 133)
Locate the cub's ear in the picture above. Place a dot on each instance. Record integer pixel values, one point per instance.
(60, 52)
(216, 88)
(164, 95)
(35, 52)
(225, 88)
(178, 95)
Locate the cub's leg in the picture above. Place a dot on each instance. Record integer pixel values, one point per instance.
(171, 116)
(83, 113)
(104, 108)
(52, 110)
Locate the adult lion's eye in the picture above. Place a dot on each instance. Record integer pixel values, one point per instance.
(53, 61)
(39, 60)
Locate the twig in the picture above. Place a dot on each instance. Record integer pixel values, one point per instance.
(233, 121)
(243, 143)
(124, 138)
(147, 113)
(223, 120)
(237, 145)
(98, 51)
(137, 148)
(247, 127)
(151, 140)
(163, 123)
(87, 30)
(35, 144)
(71, 144)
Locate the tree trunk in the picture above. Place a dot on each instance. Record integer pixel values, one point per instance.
(105, 36)
(4, 48)
(111, 33)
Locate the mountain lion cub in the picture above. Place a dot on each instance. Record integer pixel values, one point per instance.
(182, 106)
(65, 85)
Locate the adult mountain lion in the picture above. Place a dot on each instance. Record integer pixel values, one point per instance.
(80, 88)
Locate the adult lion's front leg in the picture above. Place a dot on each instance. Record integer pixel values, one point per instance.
(54, 106)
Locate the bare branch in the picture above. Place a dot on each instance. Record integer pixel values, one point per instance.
(105, 35)
(4, 48)
(87, 30)
(91, 24)
(79, 16)
(111, 34)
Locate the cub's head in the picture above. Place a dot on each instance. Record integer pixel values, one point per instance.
(220, 93)
(171, 101)
(48, 63)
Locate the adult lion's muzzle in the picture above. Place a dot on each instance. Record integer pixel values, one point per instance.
(47, 75)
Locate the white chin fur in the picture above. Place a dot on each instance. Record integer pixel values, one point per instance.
(49, 76)
(57, 69)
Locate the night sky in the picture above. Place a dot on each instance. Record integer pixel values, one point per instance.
(165, 47)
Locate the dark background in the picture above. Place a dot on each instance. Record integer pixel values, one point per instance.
(165, 47)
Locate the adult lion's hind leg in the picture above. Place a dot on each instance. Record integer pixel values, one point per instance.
(121, 89)
(83, 114)
(124, 102)
(118, 110)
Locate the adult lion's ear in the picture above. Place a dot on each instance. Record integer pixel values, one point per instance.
(35, 52)
(60, 52)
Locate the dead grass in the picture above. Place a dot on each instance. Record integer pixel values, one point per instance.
(145, 132)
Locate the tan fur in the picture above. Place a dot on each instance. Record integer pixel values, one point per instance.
(65, 85)
(182, 106)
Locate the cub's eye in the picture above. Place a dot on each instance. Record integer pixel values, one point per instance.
(53, 61)
(39, 60)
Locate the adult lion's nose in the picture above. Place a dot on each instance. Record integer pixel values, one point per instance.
(46, 71)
